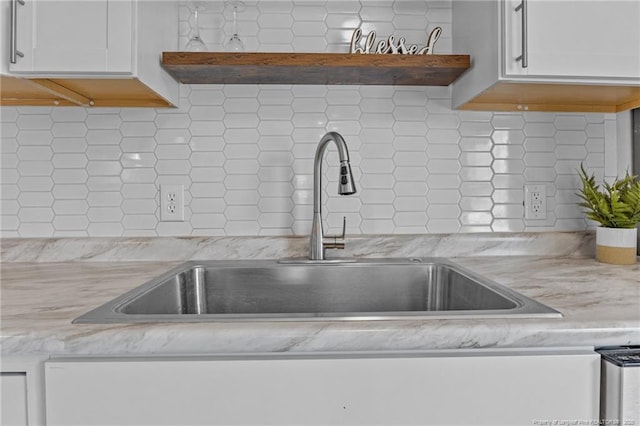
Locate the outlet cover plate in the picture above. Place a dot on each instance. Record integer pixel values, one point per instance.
(172, 203)
(535, 201)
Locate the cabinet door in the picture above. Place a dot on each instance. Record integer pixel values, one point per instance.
(593, 39)
(462, 387)
(5, 36)
(74, 37)
(13, 405)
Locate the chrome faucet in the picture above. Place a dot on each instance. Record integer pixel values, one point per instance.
(345, 187)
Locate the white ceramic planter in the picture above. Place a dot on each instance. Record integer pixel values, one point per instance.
(616, 245)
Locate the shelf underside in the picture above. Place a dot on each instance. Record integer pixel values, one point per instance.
(522, 96)
(314, 68)
(86, 92)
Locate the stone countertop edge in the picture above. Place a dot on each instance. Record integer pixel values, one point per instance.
(169, 249)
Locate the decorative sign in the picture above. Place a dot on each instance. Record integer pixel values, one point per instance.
(390, 45)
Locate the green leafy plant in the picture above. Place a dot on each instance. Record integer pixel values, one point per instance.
(614, 206)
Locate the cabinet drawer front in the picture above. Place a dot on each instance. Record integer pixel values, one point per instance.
(477, 389)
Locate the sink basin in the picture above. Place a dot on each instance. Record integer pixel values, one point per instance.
(367, 289)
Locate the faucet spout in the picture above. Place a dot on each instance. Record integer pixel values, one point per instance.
(346, 186)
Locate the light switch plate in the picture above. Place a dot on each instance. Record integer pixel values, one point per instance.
(172, 203)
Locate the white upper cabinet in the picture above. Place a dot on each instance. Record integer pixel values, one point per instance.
(74, 37)
(548, 55)
(573, 39)
(102, 53)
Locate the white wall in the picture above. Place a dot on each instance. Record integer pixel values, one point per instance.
(244, 153)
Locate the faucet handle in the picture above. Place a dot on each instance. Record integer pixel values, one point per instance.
(336, 241)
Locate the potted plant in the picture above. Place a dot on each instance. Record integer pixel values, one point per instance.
(616, 207)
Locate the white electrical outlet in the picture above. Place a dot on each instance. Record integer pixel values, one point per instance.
(535, 201)
(171, 203)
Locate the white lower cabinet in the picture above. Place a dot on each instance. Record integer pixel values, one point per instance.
(13, 399)
(462, 387)
(22, 391)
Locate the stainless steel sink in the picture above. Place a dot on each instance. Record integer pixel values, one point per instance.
(262, 290)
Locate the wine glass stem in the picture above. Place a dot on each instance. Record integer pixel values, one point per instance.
(195, 13)
(235, 20)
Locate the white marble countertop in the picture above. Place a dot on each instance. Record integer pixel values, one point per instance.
(600, 304)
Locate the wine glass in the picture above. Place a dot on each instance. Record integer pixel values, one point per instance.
(195, 43)
(234, 44)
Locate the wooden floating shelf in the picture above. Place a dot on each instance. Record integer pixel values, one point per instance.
(314, 68)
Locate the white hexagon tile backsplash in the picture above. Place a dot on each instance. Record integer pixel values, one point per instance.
(245, 153)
